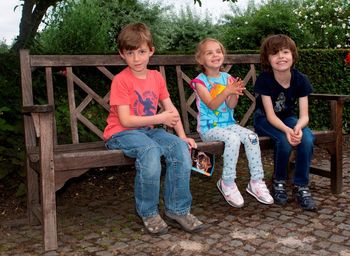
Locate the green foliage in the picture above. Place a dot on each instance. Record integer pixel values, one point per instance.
(246, 30)
(76, 27)
(4, 48)
(90, 26)
(183, 32)
(327, 22)
(311, 23)
(11, 132)
(330, 75)
(123, 12)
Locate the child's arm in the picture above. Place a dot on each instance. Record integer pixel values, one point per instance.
(178, 127)
(236, 86)
(303, 112)
(303, 116)
(169, 118)
(292, 138)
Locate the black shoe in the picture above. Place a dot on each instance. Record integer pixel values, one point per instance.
(304, 198)
(279, 192)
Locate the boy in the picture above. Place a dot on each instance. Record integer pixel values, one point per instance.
(135, 93)
(281, 89)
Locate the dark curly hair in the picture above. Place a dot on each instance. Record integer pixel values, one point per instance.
(274, 43)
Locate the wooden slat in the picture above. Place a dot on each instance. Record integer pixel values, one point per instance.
(50, 96)
(90, 159)
(89, 91)
(335, 97)
(106, 72)
(116, 60)
(72, 107)
(90, 125)
(182, 95)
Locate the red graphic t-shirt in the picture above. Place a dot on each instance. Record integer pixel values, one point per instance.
(142, 96)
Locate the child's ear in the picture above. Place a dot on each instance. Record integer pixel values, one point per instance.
(121, 55)
(199, 61)
(151, 51)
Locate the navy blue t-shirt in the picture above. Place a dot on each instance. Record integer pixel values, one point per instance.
(284, 101)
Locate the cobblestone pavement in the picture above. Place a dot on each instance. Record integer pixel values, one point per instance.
(108, 225)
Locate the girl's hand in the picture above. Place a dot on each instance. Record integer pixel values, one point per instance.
(235, 86)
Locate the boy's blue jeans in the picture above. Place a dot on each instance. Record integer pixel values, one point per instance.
(282, 149)
(147, 146)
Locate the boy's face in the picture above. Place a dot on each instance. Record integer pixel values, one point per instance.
(282, 60)
(138, 59)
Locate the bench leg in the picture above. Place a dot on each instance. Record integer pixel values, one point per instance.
(32, 195)
(337, 170)
(337, 156)
(48, 191)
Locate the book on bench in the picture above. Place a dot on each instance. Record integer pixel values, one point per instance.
(202, 162)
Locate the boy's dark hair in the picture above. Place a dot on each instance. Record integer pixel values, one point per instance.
(133, 35)
(271, 45)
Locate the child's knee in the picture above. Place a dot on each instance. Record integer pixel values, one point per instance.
(253, 138)
(181, 153)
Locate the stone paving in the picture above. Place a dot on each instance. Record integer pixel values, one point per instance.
(107, 225)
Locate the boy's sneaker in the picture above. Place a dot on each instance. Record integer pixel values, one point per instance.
(187, 222)
(155, 225)
(231, 194)
(304, 198)
(259, 190)
(279, 192)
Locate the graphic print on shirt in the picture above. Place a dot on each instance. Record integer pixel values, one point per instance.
(145, 104)
(221, 112)
(280, 103)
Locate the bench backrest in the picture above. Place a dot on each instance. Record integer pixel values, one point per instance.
(80, 94)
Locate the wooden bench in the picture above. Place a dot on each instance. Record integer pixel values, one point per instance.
(50, 163)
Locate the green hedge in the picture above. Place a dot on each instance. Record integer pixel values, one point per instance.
(328, 73)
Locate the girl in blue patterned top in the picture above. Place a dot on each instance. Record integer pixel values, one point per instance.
(217, 94)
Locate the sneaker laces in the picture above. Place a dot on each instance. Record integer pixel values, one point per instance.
(304, 192)
(229, 190)
(278, 186)
(261, 187)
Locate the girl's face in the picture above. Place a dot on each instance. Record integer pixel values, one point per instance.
(212, 56)
(282, 60)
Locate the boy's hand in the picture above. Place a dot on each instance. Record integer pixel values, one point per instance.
(235, 86)
(294, 138)
(190, 142)
(170, 118)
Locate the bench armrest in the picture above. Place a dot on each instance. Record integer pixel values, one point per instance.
(37, 109)
(336, 97)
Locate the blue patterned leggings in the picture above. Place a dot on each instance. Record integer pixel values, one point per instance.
(233, 136)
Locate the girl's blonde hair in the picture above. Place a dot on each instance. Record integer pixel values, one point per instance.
(200, 51)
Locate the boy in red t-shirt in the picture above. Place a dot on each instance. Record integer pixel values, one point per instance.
(135, 93)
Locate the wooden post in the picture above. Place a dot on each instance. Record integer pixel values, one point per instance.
(48, 190)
